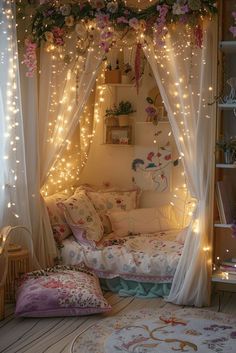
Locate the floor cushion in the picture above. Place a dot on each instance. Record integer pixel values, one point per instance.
(59, 291)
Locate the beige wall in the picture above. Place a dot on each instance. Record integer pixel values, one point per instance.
(112, 164)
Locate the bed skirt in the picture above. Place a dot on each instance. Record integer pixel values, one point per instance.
(127, 288)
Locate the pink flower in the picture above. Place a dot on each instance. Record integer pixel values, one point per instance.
(183, 19)
(160, 42)
(106, 35)
(122, 19)
(163, 9)
(104, 46)
(185, 9)
(133, 22)
(30, 58)
(233, 30)
(234, 15)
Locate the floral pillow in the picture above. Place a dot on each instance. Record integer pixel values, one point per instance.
(104, 201)
(59, 291)
(81, 215)
(56, 215)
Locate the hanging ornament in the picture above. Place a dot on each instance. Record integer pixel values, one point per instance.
(137, 65)
(198, 36)
(77, 86)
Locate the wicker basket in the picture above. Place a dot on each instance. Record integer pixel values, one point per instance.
(1, 302)
(18, 262)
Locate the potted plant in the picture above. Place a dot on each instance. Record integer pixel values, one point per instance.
(122, 112)
(111, 116)
(228, 147)
(124, 109)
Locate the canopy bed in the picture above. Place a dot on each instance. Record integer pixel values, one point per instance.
(178, 41)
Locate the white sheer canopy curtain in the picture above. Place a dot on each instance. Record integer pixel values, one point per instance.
(65, 82)
(185, 76)
(14, 201)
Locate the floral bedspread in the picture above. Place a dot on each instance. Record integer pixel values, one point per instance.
(144, 258)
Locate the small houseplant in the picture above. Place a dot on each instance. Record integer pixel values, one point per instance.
(228, 147)
(122, 111)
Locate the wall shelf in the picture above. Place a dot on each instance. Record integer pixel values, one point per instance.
(119, 84)
(227, 106)
(219, 276)
(117, 144)
(222, 165)
(228, 46)
(150, 123)
(222, 225)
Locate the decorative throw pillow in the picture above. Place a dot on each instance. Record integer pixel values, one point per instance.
(60, 291)
(81, 215)
(56, 215)
(104, 201)
(143, 220)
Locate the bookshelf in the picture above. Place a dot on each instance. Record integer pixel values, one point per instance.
(224, 245)
(223, 165)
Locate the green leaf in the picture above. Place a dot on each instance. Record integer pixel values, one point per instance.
(149, 100)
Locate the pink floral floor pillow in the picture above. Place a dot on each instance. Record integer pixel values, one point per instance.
(60, 291)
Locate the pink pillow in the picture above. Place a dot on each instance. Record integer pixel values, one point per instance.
(60, 291)
(113, 200)
(56, 215)
(143, 220)
(80, 214)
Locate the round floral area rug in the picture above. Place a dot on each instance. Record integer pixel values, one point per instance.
(146, 331)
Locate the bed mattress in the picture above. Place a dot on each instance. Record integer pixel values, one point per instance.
(143, 258)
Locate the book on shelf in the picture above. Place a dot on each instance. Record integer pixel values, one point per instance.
(224, 202)
(228, 269)
(229, 262)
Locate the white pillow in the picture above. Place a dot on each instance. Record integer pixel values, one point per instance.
(113, 200)
(143, 220)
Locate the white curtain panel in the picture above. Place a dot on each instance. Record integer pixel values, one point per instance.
(65, 82)
(184, 75)
(14, 202)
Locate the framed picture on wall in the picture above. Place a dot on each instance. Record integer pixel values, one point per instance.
(119, 135)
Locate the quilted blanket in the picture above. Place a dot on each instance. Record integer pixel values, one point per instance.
(144, 258)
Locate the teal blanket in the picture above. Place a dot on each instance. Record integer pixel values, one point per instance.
(126, 288)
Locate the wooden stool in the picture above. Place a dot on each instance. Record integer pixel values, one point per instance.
(18, 262)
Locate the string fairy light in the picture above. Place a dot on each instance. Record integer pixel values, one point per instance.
(11, 127)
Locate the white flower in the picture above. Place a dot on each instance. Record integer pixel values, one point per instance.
(69, 21)
(49, 37)
(81, 30)
(112, 7)
(65, 9)
(177, 9)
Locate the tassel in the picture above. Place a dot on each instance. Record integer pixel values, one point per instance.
(137, 66)
(198, 34)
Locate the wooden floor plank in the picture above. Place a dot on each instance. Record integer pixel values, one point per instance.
(55, 335)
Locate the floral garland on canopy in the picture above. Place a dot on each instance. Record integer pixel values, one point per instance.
(54, 20)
